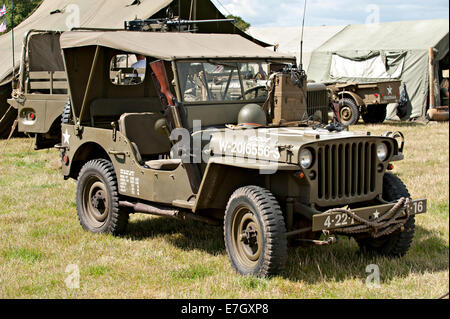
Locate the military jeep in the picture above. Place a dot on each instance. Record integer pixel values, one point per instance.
(216, 129)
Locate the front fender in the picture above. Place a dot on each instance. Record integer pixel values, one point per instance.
(223, 175)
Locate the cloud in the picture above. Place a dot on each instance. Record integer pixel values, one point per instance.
(331, 12)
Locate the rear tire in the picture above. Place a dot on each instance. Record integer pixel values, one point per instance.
(375, 114)
(348, 111)
(98, 200)
(255, 232)
(397, 243)
(7, 115)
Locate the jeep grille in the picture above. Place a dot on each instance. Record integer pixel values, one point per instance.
(346, 170)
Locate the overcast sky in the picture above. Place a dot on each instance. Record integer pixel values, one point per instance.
(332, 12)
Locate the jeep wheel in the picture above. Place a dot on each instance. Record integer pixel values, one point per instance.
(98, 200)
(397, 243)
(375, 114)
(255, 232)
(348, 111)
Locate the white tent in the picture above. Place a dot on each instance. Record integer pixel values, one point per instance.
(288, 38)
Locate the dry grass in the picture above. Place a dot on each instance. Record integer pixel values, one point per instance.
(161, 258)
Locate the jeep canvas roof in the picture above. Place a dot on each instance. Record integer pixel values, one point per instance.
(172, 46)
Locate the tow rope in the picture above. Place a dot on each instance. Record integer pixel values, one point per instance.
(383, 225)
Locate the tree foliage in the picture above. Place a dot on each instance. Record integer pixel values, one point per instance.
(239, 22)
(22, 9)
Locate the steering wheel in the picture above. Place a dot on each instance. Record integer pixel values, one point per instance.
(255, 89)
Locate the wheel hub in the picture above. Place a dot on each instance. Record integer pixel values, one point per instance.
(98, 201)
(95, 202)
(346, 113)
(247, 237)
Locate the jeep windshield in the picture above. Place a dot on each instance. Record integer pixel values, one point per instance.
(222, 81)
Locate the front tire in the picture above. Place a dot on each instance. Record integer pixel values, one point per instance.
(98, 200)
(255, 232)
(397, 243)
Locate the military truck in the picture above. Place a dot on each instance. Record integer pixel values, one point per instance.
(191, 139)
(368, 100)
(42, 89)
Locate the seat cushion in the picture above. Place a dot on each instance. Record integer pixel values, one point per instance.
(139, 128)
(164, 165)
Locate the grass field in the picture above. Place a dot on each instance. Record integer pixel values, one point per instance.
(161, 258)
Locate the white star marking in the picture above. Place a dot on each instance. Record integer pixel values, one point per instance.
(376, 214)
(389, 88)
(66, 137)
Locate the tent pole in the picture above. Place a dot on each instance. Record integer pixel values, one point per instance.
(431, 74)
(12, 39)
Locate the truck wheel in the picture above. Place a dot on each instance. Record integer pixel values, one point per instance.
(255, 232)
(7, 114)
(398, 243)
(375, 114)
(348, 111)
(98, 200)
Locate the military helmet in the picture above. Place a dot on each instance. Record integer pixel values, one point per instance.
(252, 115)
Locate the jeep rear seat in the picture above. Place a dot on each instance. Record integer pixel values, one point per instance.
(148, 144)
(103, 111)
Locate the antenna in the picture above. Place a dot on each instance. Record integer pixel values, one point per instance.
(12, 39)
(179, 15)
(301, 38)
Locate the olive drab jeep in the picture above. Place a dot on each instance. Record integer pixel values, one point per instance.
(215, 128)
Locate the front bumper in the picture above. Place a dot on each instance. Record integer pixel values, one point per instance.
(373, 215)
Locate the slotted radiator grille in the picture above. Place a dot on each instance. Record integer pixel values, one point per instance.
(346, 170)
(318, 101)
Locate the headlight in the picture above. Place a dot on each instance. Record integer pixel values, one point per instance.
(305, 158)
(382, 151)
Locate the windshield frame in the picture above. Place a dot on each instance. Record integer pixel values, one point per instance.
(237, 61)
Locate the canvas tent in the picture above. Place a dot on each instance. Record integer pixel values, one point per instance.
(62, 15)
(59, 15)
(288, 39)
(376, 53)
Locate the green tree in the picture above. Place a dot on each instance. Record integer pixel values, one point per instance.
(239, 22)
(22, 9)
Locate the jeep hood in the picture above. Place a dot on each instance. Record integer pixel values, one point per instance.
(275, 144)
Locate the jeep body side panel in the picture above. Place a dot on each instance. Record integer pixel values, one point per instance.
(133, 179)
